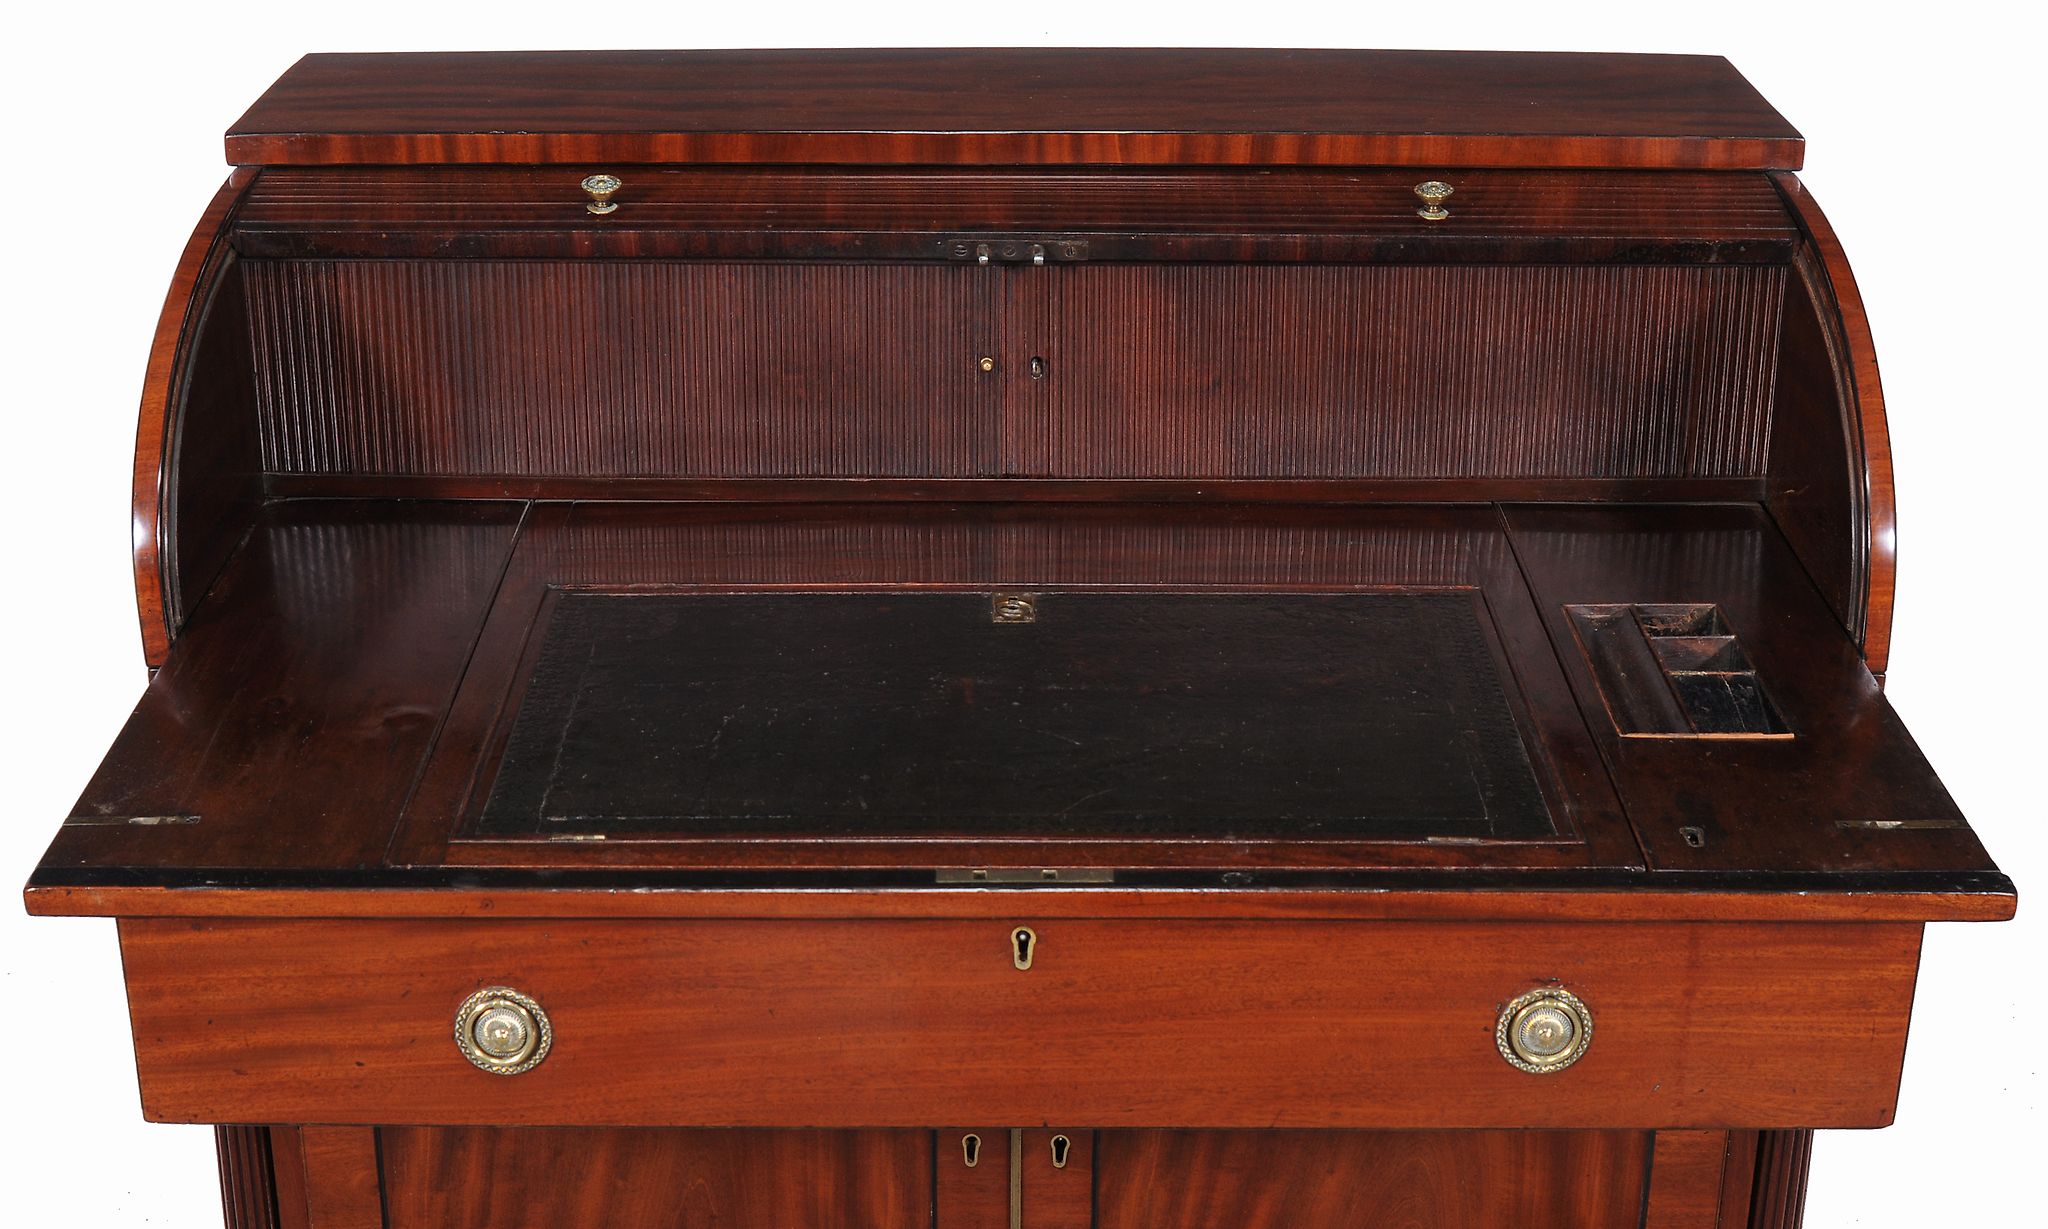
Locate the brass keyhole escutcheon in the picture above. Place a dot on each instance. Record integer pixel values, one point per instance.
(970, 1150)
(1061, 1148)
(1023, 946)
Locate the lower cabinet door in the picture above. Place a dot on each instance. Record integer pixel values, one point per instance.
(1370, 1179)
(997, 1178)
(540, 1178)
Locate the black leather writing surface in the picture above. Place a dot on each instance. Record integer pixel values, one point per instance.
(1365, 716)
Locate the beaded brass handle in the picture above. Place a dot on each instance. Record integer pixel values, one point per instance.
(502, 1031)
(1544, 1030)
(1433, 193)
(601, 188)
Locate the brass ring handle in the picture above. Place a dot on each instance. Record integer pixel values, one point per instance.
(1434, 193)
(502, 1031)
(1544, 1030)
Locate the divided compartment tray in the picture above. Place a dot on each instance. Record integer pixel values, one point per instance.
(1674, 670)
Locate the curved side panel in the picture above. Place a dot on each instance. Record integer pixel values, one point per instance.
(166, 388)
(1851, 546)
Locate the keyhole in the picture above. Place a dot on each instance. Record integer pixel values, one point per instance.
(1037, 367)
(970, 1150)
(1061, 1145)
(1695, 837)
(1023, 941)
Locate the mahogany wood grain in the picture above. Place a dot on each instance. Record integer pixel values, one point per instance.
(248, 1195)
(1778, 1199)
(1848, 789)
(1371, 1180)
(311, 737)
(288, 1174)
(1688, 1173)
(431, 368)
(166, 385)
(1058, 1196)
(1010, 106)
(344, 1187)
(1127, 1023)
(1815, 489)
(832, 491)
(1855, 356)
(481, 1178)
(1738, 1178)
(1378, 897)
(973, 1196)
(928, 215)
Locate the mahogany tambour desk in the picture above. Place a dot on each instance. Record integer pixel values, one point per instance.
(1141, 639)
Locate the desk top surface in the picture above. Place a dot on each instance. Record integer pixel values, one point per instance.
(494, 697)
(1019, 106)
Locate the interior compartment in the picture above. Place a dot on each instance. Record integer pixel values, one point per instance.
(1674, 670)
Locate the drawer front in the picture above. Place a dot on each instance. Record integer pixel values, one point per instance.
(1115, 1023)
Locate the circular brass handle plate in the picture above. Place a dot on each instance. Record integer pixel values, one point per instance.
(1544, 1030)
(502, 1031)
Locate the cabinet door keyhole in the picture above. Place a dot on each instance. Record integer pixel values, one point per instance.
(1024, 944)
(1061, 1146)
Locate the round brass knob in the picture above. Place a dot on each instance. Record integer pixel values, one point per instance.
(502, 1031)
(600, 188)
(1434, 193)
(1544, 1030)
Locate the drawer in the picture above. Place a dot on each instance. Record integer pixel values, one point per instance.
(1115, 1023)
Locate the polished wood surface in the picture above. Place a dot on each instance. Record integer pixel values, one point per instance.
(1428, 609)
(1778, 1199)
(248, 1192)
(175, 374)
(307, 729)
(481, 1178)
(1689, 1178)
(339, 1175)
(1429, 1180)
(438, 368)
(341, 583)
(1852, 359)
(1124, 1023)
(1849, 787)
(1089, 214)
(1009, 106)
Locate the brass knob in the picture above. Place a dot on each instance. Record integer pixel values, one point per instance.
(1434, 193)
(502, 1031)
(601, 188)
(1544, 1030)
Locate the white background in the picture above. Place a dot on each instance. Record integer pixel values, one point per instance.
(1925, 148)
